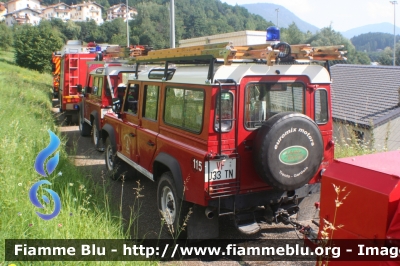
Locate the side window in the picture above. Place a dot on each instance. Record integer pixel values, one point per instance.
(321, 106)
(131, 100)
(97, 86)
(226, 110)
(184, 108)
(100, 86)
(150, 101)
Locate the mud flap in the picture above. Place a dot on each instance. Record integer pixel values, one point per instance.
(200, 227)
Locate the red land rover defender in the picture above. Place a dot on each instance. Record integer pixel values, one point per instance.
(101, 86)
(236, 136)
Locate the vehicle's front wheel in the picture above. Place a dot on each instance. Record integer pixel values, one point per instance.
(115, 166)
(84, 127)
(173, 210)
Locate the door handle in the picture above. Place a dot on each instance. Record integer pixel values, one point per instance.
(132, 135)
(150, 143)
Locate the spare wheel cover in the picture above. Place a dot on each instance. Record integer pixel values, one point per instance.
(288, 150)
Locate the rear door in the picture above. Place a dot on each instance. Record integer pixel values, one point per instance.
(261, 98)
(148, 131)
(128, 134)
(93, 101)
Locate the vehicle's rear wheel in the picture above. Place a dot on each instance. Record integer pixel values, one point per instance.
(96, 135)
(115, 166)
(173, 210)
(84, 127)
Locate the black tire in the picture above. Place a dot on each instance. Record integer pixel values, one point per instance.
(60, 103)
(68, 119)
(115, 166)
(96, 135)
(288, 150)
(84, 128)
(172, 210)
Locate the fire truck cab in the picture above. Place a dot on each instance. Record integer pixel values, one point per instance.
(226, 130)
(74, 56)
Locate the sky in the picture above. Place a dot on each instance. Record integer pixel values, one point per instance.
(341, 14)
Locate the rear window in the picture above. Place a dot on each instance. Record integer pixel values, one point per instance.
(263, 100)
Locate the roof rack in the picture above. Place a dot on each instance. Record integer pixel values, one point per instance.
(229, 53)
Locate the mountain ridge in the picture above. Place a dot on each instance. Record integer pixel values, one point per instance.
(285, 16)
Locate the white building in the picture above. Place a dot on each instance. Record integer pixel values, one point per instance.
(23, 16)
(15, 5)
(3, 11)
(86, 12)
(246, 37)
(22, 12)
(60, 10)
(119, 11)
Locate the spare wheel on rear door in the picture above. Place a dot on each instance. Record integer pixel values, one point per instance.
(288, 150)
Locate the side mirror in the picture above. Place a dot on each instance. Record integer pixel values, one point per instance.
(79, 88)
(116, 105)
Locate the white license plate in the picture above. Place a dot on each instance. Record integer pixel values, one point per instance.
(220, 170)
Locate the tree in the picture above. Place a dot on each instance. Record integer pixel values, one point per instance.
(327, 36)
(113, 28)
(35, 44)
(386, 57)
(293, 35)
(72, 31)
(6, 37)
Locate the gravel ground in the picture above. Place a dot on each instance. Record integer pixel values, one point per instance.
(92, 163)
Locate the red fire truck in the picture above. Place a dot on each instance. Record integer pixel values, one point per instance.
(240, 131)
(73, 75)
(56, 71)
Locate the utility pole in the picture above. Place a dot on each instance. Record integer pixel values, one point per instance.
(172, 24)
(394, 3)
(277, 16)
(127, 24)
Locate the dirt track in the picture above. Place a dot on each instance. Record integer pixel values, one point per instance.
(81, 150)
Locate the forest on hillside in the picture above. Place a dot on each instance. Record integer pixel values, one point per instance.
(194, 18)
(373, 41)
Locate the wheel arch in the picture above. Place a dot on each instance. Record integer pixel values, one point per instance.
(164, 163)
(108, 132)
(94, 115)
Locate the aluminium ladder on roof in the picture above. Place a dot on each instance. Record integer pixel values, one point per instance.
(249, 52)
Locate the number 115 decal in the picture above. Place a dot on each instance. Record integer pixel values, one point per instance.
(197, 165)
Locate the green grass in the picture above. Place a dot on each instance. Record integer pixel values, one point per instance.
(347, 144)
(25, 119)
